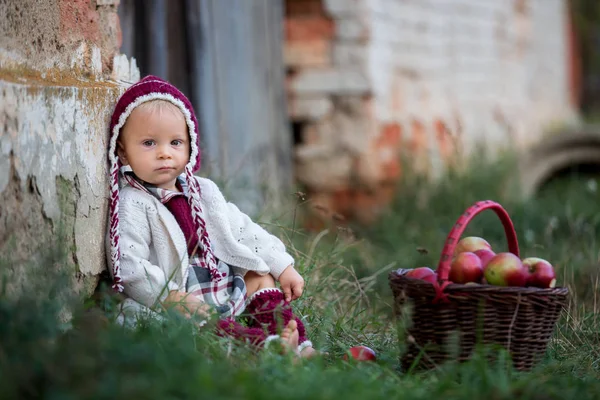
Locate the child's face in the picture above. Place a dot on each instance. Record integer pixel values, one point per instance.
(155, 143)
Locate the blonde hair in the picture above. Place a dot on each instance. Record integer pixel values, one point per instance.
(159, 106)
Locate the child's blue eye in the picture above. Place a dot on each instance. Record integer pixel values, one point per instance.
(148, 143)
(177, 142)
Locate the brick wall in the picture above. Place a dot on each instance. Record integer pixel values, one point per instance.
(371, 78)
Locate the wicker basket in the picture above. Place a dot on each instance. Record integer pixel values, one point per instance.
(520, 319)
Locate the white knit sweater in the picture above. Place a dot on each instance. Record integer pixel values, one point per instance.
(154, 258)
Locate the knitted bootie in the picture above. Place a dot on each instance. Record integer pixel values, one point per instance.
(267, 308)
(231, 328)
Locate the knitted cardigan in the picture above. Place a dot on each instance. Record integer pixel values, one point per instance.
(154, 256)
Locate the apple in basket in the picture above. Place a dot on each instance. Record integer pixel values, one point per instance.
(540, 272)
(505, 269)
(466, 267)
(471, 244)
(424, 273)
(485, 255)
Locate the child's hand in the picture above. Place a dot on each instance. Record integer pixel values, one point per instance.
(292, 283)
(187, 304)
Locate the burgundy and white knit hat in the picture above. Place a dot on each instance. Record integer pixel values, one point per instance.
(147, 89)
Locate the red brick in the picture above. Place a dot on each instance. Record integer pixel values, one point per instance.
(304, 7)
(390, 135)
(389, 141)
(351, 203)
(78, 20)
(392, 170)
(342, 202)
(307, 29)
(81, 20)
(444, 140)
(110, 29)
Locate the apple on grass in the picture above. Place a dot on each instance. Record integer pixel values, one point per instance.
(471, 244)
(466, 267)
(361, 353)
(540, 273)
(505, 269)
(424, 273)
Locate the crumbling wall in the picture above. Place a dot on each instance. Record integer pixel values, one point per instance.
(47, 34)
(60, 75)
(371, 79)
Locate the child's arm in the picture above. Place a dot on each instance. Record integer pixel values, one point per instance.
(143, 281)
(266, 246)
(271, 250)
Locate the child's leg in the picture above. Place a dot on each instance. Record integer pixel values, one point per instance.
(231, 328)
(256, 282)
(257, 336)
(267, 307)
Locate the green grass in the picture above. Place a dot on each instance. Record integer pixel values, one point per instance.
(347, 302)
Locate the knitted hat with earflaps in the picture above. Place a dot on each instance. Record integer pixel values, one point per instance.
(148, 89)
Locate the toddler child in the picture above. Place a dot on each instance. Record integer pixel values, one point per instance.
(174, 241)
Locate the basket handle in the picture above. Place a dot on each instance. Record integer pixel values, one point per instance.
(461, 224)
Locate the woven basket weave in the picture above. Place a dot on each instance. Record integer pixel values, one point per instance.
(520, 319)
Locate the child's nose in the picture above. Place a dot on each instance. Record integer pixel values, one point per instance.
(164, 152)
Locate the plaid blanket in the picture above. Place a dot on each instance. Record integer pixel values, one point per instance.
(228, 295)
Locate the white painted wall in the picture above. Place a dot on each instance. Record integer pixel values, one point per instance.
(484, 66)
(52, 131)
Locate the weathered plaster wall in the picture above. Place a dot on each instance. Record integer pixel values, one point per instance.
(47, 34)
(53, 136)
(60, 74)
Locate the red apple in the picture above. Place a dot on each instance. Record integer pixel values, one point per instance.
(541, 273)
(431, 278)
(472, 244)
(466, 267)
(423, 273)
(420, 272)
(505, 269)
(485, 255)
(361, 353)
